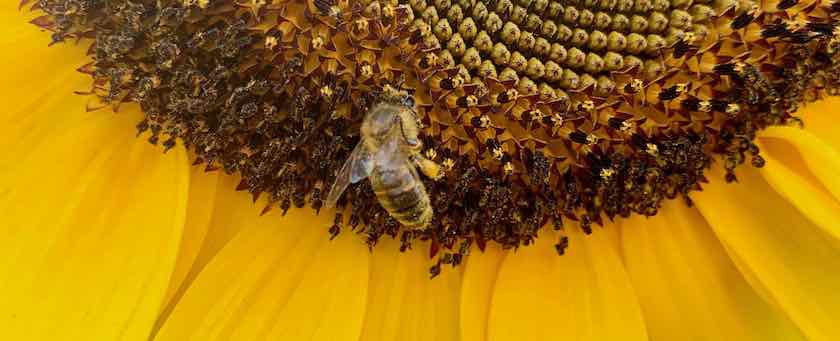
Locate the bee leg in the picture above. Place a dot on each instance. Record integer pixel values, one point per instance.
(414, 143)
(410, 131)
(428, 167)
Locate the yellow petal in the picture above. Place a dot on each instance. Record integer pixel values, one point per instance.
(35, 72)
(806, 154)
(582, 295)
(783, 251)
(403, 303)
(229, 212)
(802, 190)
(200, 208)
(91, 225)
(688, 287)
(37, 88)
(37, 125)
(821, 120)
(480, 273)
(278, 278)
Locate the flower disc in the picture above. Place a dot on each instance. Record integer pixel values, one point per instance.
(537, 110)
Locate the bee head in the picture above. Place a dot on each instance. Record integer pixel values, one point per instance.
(408, 101)
(396, 96)
(388, 121)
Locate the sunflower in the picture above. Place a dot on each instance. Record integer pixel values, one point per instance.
(107, 237)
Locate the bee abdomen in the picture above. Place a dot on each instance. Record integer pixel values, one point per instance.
(403, 196)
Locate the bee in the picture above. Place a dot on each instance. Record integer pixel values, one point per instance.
(388, 153)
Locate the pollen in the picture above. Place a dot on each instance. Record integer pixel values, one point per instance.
(537, 109)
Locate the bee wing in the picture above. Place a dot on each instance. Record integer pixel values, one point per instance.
(390, 154)
(357, 167)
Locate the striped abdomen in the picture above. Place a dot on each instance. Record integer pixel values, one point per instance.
(403, 195)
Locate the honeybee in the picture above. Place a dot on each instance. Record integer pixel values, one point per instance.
(388, 153)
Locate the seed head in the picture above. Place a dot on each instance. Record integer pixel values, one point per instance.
(591, 108)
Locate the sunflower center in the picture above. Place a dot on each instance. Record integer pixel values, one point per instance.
(537, 110)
